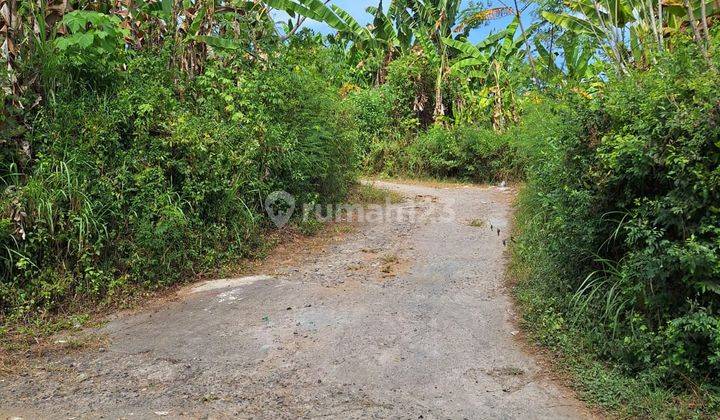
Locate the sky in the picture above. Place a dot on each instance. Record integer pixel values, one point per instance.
(357, 9)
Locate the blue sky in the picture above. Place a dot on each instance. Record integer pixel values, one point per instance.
(357, 9)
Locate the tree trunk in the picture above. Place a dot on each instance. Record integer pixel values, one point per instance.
(703, 18)
(696, 32)
(498, 117)
(439, 107)
(10, 24)
(653, 22)
(381, 76)
(660, 25)
(612, 40)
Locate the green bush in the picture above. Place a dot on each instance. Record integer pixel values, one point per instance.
(435, 152)
(373, 109)
(463, 151)
(143, 184)
(625, 226)
(411, 81)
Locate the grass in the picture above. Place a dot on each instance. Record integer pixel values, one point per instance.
(478, 223)
(360, 195)
(369, 194)
(21, 343)
(426, 181)
(389, 261)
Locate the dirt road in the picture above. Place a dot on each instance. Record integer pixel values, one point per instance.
(402, 319)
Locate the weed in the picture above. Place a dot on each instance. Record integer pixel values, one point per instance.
(368, 194)
(478, 223)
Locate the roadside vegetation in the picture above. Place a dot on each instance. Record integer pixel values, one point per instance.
(618, 250)
(139, 140)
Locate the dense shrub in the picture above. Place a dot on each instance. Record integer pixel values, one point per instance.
(465, 152)
(373, 109)
(411, 81)
(622, 226)
(462, 151)
(145, 182)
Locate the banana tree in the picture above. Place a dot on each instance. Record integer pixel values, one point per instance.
(316, 10)
(387, 37)
(605, 23)
(389, 34)
(214, 26)
(491, 64)
(406, 24)
(439, 19)
(576, 60)
(635, 30)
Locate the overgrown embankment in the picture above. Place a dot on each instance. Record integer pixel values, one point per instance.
(619, 240)
(134, 178)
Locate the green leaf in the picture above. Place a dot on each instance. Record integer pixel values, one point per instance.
(469, 62)
(64, 43)
(548, 58)
(707, 286)
(75, 21)
(218, 42)
(571, 23)
(197, 21)
(358, 33)
(466, 47)
(85, 40)
(312, 9)
(167, 6)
